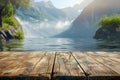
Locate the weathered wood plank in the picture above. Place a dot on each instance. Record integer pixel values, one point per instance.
(7, 63)
(66, 66)
(41, 64)
(107, 60)
(26, 67)
(19, 63)
(44, 66)
(4, 54)
(93, 67)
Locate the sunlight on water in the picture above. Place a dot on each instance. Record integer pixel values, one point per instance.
(59, 44)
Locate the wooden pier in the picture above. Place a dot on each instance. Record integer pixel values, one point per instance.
(60, 65)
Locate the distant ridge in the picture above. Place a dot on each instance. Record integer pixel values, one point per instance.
(84, 26)
(39, 11)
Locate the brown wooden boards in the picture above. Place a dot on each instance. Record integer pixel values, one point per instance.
(109, 60)
(19, 63)
(64, 65)
(44, 66)
(92, 66)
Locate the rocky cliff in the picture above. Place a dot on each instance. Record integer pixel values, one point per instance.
(110, 28)
(11, 33)
(109, 33)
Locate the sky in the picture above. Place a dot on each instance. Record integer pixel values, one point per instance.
(63, 3)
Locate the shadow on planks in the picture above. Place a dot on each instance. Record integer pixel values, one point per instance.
(60, 78)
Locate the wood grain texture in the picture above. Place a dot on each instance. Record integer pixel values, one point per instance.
(93, 66)
(51, 65)
(66, 65)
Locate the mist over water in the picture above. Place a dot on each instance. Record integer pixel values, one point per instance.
(44, 28)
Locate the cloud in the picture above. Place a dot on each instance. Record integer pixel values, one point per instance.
(59, 25)
(45, 28)
(62, 25)
(77, 1)
(51, 28)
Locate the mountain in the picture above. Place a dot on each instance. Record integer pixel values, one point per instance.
(73, 12)
(40, 11)
(48, 8)
(85, 25)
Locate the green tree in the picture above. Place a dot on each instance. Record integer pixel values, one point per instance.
(13, 4)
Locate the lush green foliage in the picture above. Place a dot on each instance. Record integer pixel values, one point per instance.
(8, 10)
(110, 21)
(19, 34)
(8, 19)
(6, 26)
(11, 21)
(18, 3)
(15, 3)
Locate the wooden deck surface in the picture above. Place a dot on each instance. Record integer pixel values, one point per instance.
(60, 65)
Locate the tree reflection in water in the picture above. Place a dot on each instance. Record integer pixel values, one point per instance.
(12, 45)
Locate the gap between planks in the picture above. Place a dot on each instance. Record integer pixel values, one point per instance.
(55, 58)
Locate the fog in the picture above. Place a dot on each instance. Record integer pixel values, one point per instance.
(43, 29)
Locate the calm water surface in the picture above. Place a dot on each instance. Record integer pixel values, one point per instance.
(59, 44)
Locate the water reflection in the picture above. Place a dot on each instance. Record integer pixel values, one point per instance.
(108, 45)
(48, 44)
(1, 46)
(13, 45)
(59, 44)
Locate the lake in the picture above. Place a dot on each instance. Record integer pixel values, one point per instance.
(59, 44)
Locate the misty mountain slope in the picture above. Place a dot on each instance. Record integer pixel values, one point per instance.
(40, 11)
(42, 19)
(50, 9)
(84, 26)
(31, 14)
(73, 12)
